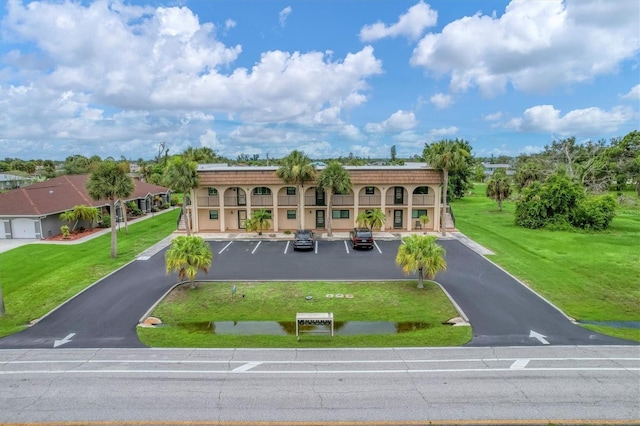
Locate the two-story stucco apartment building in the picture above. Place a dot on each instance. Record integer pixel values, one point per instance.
(227, 195)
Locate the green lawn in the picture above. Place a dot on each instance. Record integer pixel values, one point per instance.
(38, 277)
(590, 276)
(185, 311)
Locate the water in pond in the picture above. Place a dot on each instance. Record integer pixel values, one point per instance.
(340, 328)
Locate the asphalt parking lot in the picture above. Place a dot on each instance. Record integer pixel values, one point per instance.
(501, 310)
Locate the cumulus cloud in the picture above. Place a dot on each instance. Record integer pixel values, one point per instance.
(410, 25)
(80, 63)
(441, 100)
(493, 117)
(443, 132)
(283, 15)
(579, 122)
(565, 42)
(398, 121)
(633, 94)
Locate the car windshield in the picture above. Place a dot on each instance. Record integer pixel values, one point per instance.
(366, 234)
(303, 235)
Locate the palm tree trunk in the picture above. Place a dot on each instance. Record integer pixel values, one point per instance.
(443, 218)
(420, 279)
(124, 215)
(329, 207)
(187, 222)
(112, 206)
(300, 205)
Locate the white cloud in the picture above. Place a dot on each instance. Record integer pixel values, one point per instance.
(410, 25)
(229, 24)
(441, 100)
(565, 42)
(579, 122)
(399, 120)
(633, 94)
(443, 132)
(282, 16)
(493, 117)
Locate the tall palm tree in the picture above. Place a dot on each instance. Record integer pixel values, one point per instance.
(334, 179)
(187, 255)
(449, 156)
(110, 182)
(499, 187)
(421, 253)
(182, 176)
(296, 168)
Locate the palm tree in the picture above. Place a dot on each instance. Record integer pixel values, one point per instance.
(421, 253)
(447, 155)
(80, 212)
(182, 176)
(499, 187)
(334, 179)
(297, 168)
(187, 255)
(371, 218)
(259, 221)
(110, 182)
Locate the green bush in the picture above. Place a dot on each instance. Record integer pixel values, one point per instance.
(105, 222)
(66, 233)
(595, 213)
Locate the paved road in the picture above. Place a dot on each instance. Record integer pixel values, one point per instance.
(502, 311)
(396, 385)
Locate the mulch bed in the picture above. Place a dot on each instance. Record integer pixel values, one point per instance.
(75, 235)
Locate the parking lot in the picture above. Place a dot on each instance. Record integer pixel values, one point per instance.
(329, 260)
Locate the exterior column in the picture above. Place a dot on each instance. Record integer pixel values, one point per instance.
(222, 212)
(410, 210)
(356, 205)
(274, 210)
(383, 207)
(194, 211)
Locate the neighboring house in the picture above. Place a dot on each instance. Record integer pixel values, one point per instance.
(490, 168)
(226, 196)
(8, 181)
(34, 211)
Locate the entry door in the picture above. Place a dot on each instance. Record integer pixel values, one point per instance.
(320, 198)
(397, 219)
(242, 219)
(398, 197)
(320, 219)
(242, 201)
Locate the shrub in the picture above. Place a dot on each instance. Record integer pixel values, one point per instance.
(105, 222)
(66, 233)
(595, 213)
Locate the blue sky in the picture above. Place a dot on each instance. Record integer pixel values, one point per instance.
(329, 77)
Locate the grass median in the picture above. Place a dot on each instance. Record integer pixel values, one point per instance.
(38, 277)
(591, 276)
(189, 316)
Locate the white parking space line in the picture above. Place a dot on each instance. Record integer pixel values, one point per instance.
(519, 364)
(256, 247)
(286, 248)
(378, 248)
(316, 250)
(346, 247)
(225, 247)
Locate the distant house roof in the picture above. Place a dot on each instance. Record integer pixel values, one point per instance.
(61, 194)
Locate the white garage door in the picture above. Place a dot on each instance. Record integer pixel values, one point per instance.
(23, 228)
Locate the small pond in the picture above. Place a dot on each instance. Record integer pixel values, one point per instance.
(340, 328)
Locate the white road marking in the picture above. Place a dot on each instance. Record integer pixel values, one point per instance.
(143, 258)
(225, 247)
(376, 244)
(519, 364)
(64, 341)
(315, 371)
(286, 248)
(346, 247)
(256, 247)
(540, 337)
(316, 250)
(246, 367)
